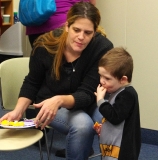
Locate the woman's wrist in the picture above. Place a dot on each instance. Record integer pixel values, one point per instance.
(22, 104)
(66, 101)
(58, 100)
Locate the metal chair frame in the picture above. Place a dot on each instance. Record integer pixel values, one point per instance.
(49, 148)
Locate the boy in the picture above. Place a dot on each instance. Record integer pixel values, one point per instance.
(120, 136)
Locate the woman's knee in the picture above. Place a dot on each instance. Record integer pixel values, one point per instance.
(82, 123)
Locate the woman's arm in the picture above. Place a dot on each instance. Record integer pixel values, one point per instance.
(49, 108)
(16, 114)
(22, 104)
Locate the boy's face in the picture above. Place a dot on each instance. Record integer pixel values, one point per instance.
(108, 81)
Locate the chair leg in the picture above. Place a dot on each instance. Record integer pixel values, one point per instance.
(51, 143)
(45, 134)
(40, 148)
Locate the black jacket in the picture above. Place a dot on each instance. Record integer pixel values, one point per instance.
(81, 84)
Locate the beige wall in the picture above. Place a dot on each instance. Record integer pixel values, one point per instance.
(16, 5)
(134, 25)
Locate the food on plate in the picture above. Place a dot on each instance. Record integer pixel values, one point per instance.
(5, 123)
(12, 123)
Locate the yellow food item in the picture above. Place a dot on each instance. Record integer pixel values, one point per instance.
(5, 123)
(21, 123)
(12, 123)
(15, 124)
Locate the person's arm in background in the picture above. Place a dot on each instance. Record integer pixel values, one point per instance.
(93, 2)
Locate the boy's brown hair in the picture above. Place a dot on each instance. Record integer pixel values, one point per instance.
(118, 62)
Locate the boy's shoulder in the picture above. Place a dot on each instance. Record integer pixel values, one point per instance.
(130, 91)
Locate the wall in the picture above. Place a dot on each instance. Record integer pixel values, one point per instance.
(134, 25)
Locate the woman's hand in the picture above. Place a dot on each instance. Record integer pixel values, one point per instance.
(11, 116)
(49, 108)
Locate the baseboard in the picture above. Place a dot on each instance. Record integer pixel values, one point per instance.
(149, 136)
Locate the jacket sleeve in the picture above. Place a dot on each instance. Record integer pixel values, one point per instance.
(38, 66)
(120, 110)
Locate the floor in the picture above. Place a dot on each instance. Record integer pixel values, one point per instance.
(148, 151)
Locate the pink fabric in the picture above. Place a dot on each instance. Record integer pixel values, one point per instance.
(56, 20)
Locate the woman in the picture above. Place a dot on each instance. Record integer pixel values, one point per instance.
(63, 77)
(55, 21)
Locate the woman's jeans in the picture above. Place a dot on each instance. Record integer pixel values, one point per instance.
(78, 128)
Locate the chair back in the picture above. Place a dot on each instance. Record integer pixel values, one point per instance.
(12, 74)
(11, 41)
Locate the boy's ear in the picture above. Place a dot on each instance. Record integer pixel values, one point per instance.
(124, 79)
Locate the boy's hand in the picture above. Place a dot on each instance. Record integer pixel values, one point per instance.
(100, 93)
